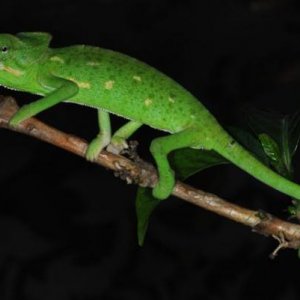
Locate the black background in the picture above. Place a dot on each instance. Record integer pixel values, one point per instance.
(67, 227)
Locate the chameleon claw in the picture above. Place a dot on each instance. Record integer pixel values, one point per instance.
(17, 118)
(95, 147)
(160, 192)
(163, 190)
(117, 145)
(13, 122)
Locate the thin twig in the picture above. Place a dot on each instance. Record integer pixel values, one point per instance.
(142, 175)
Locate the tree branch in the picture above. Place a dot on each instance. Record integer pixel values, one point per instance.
(288, 234)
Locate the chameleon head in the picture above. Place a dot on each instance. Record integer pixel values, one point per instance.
(19, 55)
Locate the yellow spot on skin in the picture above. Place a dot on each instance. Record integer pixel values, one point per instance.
(12, 71)
(137, 78)
(58, 59)
(172, 100)
(148, 102)
(84, 85)
(109, 84)
(81, 84)
(92, 63)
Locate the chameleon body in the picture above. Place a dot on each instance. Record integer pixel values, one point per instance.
(115, 83)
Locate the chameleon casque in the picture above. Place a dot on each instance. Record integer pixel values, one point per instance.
(115, 83)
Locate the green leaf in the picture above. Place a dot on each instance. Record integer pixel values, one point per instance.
(294, 131)
(279, 136)
(144, 205)
(270, 147)
(294, 209)
(283, 129)
(272, 150)
(186, 162)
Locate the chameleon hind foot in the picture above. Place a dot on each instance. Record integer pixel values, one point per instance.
(131, 151)
(160, 148)
(117, 145)
(164, 187)
(118, 141)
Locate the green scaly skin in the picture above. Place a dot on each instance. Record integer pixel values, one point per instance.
(115, 83)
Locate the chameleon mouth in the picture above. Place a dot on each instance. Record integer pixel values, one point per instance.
(10, 70)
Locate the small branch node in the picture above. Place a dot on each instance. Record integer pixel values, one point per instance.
(283, 244)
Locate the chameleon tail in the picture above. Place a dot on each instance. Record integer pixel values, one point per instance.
(242, 158)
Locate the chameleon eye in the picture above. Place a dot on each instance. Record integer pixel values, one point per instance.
(4, 49)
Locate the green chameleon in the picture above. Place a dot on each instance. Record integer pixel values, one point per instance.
(115, 83)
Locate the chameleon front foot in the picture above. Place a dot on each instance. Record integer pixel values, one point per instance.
(22, 114)
(95, 147)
